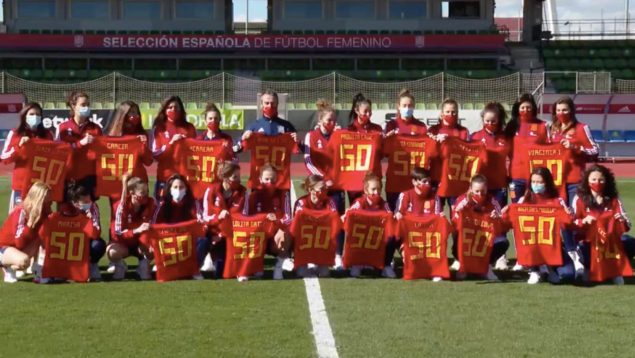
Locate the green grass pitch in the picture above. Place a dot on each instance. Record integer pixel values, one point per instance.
(370, 317)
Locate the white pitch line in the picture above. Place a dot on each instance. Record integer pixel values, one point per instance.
(322, 333)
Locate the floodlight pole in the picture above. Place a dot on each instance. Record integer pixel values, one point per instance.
(628, 17)
(247, 17)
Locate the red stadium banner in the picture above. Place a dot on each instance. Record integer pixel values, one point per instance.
(245, 43)
(48, 162)
(425, 246)
(625, 108)
(174, 247)
(537, 233)
(246, 249)
(366, 235)
(314, 235)
(198, 161)
(476, 240)
(607, 254)
(67, 246)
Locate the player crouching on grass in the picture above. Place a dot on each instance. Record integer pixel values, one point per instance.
(478, 199)
(316, 199)
(78, 202)
(276, 204)
(420, 201)
(220, 201)
(371, 200)
(19, 240)
(133, 215)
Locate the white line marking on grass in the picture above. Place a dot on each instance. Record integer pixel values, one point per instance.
(322, 333)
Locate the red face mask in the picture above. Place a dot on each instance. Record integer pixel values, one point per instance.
(526, 116)
(363, 119)
(563, 118)
(597, 187)
(450, 119)
(373, 199)
(134, 120)
(329, 127)
(492, 128)
(171, 114)
(268, 187)
(479, 199)
(234, 185)
(213, 126)
(424, 190)
(270, 112)
(322, 195)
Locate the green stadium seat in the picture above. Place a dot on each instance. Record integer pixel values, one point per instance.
(338, 106)
(96, 105)
(431, 106)
(61, 105)
(312, 106)
(49, 105)
(290, 105)
(155, 105)
(479, 106)
(108, 105)
(191, 106)
(468, 106)
(300, 106)
(144, 105)
(420, 106)
(384, 106)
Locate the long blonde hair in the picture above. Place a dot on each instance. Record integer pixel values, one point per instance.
(34, 203)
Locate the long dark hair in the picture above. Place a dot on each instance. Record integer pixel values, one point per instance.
(499, 112)
(116, 125)
(550, 187)
(40, 131)
(188, 201)
(610, 187)
(512, 126)
(358, 100)
(556, 125)
(161, 118)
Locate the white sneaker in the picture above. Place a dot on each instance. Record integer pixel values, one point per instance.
(9, 275)
(154, 268)
(518, 267)
(242, 278)
(143, 270)
(437, 279)
(208, 264)
(20, 273)
(338, 263)
(120, 270)
(577, 263)
(460, 275)
(287, 264)
(501, 263)
(388, 272)
(111, 267)
(490, 275)
(619, 280)
(534, 277)
(95, 274)
(456, 265)
(323, 271)
(356, 271)
(312, 266)
(198, 277)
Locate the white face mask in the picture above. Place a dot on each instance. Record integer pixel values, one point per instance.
(177, 194)
(84, 112)
(33, 120)
(406, 112)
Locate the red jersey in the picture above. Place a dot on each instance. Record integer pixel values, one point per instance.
(366, 235)
(425, 246)
(216, 199)
(586, 149)
(369, 127)
(71, 132)
(317, 158)
(13, 153)
(405, 152)
(116, 156)
(198, 160)
(48, 162)
(246, 249)
(528, 133)
(362, 204)
(314, 235)
(354, 154)
(163, 151)
(458, 131)
(221, 136)
(537, 233)
(462, 202)
(581, 210)
(67, 246)
(261, 202)
(127, 218)
(498, 153)
(177, 212)
(306, 203)
(15, 232)
(553, 157)
(409, 202)
(174, 249)
(275, 150)
(608, 259)
(477, 231)
(411, 126)
(461, 161)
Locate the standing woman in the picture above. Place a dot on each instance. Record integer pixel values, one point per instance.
(170, 126)
(213, 117)
(19, 240)
(30, 127)
(80, 132)
(405, 122)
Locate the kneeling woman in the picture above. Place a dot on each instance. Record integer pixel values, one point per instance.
(19, 235)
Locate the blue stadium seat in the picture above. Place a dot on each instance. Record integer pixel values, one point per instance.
(629, 136)
(597, 135)
(616, 136)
